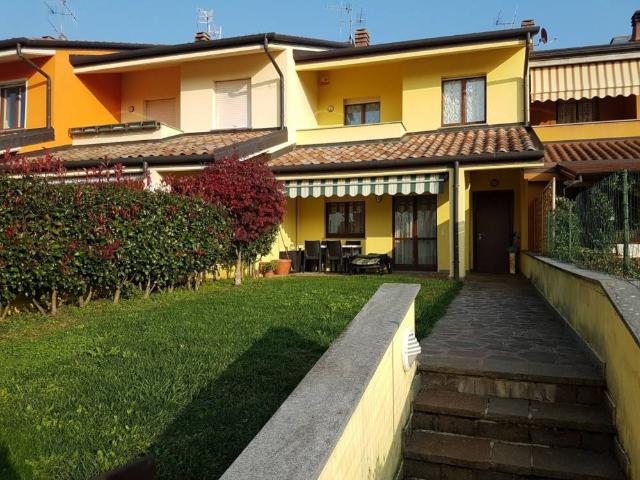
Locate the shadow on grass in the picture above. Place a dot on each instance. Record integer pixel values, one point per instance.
(222, 419)
(7, 472)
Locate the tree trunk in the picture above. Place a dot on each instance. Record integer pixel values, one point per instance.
(147, 290)
(116, 296)
(238, 280)
(4, 310)
(54, 302)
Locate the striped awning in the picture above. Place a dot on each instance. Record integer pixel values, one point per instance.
(585, 80)
(353, 187)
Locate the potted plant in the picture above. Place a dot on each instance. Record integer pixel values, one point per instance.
(283, 266)
(513, 253)
(266, 269)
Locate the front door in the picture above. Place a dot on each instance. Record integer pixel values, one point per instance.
(415, 232)
(493, 230)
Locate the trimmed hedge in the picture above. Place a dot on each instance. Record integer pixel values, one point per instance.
(66, 242)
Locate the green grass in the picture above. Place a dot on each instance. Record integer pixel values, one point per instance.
(189, 377)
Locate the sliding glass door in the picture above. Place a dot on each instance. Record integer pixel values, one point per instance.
(415, 232)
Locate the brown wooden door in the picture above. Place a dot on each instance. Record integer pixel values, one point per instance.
(493, 230)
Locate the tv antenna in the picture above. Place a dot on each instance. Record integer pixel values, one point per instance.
(347, 18)
(204, 23)
(59, 11)
(501, 22)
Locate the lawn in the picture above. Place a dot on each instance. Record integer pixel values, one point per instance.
(189, 377)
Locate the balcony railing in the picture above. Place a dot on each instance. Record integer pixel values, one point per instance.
(350, 133)
(590, 130)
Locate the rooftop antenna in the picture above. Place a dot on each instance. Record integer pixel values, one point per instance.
(500, 22)
(204, 23)
(59, 11)
(347, 19)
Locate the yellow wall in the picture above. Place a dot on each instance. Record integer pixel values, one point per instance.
(613, 129)
(411, 90)
(76, 101)
(373, 449)
(144, 85)
(587, 307)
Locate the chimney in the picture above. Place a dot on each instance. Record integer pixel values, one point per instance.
(202, 37)
(527, 23)
(362, 38)
(635, 24)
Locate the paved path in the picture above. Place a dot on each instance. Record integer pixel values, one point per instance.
(501, 320)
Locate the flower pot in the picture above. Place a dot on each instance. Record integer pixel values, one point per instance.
(283, 267)
(268, 274)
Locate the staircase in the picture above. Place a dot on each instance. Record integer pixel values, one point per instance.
(510, 421)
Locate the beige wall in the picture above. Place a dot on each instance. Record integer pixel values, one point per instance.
(197, 94)
(141, 86)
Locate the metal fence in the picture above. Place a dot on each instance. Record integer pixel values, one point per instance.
(600, 228)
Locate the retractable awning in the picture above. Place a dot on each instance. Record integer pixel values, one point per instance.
(364, 186)
(585, 80)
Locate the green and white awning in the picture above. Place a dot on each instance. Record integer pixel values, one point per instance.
(363, 186)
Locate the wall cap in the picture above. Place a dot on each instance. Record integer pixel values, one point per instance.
(296, 443)
(624, 296)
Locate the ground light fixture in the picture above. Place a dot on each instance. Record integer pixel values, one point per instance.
(410, 349)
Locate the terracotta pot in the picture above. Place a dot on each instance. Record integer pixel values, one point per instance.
(268, 274)
(283, 267)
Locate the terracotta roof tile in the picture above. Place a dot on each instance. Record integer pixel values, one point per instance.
(439, 144)
(589, 150)
(179, 146)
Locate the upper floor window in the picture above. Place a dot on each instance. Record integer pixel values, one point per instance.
(577, 111)
(163, 110)
(464, 101)
(361, 112)
(233, 106)
(12, 105)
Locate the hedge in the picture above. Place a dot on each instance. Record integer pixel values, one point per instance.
(74, 242)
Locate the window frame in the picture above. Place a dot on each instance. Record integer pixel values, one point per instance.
(595, 110)
(22, 105)
(363, 113)
(348, 206)
(463, 103)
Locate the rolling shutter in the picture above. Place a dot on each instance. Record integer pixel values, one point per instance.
(232, 104)
(163, 111)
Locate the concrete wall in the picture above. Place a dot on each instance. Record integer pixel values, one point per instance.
(345, 419)
(605, 312)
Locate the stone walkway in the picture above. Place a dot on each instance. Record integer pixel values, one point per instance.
(501, 323)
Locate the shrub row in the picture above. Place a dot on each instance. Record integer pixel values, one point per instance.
(67, 242)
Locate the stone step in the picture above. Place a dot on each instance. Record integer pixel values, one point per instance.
(514, 420)
(582, 384)
(439, 456)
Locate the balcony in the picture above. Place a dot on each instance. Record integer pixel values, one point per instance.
(12, 139)
(350, 133)
(591, 130)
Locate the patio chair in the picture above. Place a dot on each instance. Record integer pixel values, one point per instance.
(334, 255)
(355, 243)
(313, 253)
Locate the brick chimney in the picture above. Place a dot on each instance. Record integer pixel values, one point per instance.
(202, 37)
(362, 38)
(527, 23)
(635, 24)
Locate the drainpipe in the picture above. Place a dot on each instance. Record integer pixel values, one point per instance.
(456, 252)
(281, 75)
(44, 74)
(526, 85)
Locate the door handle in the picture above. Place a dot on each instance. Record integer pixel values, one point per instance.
(480, 236)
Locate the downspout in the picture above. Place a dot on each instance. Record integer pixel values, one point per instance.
(456, 252)
(526, 87)
(44, 74)
(281, 85)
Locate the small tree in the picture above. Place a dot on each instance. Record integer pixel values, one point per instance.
(250, 193)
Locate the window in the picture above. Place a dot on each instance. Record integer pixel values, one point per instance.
(464, 101)
(163, 111)
(361, 113)
(233, 108)
(577, 111)
(12, 106)
(345, 220)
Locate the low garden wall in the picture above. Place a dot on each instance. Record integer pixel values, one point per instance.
(605, 312)
(345, 418)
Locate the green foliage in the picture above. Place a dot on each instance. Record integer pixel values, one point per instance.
(564, 231)
(61, 242)
(597, 216)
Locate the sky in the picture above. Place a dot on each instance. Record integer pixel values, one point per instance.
(568, 22)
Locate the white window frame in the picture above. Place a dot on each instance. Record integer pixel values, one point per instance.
(14, 83)
(215, 123)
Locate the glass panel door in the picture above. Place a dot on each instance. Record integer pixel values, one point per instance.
(415, 232)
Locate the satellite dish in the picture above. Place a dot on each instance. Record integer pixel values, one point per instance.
(544, 36)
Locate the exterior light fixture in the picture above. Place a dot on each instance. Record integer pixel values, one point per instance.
(331, 108)
(131, 108)
(410, 349)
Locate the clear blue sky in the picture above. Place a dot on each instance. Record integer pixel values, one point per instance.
(573, 22)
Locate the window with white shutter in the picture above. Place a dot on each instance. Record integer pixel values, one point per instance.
(232, 104)
(163, 111)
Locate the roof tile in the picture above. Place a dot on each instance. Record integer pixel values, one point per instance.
(588, 150)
